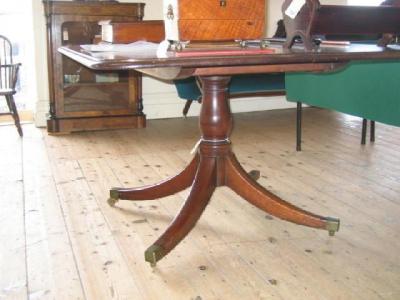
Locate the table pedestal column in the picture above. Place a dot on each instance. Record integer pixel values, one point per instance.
(214, 165)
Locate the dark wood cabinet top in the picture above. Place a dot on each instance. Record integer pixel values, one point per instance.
(94, 8)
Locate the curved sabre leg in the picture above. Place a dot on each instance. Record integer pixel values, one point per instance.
(240, 182)
(165, 188)
(202, 189)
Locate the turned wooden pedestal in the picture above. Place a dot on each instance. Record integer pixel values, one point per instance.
(214, 165)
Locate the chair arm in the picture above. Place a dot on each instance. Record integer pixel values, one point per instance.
(14, 77)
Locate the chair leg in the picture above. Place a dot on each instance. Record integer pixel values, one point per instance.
(372, 133)
(364, 132)
(8, 103)
(298, 126)
(14, 113)
(187, 107)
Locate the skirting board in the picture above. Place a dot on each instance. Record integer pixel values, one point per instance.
(165, 103)
(171, 107)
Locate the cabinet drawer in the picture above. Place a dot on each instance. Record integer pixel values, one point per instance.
(221, 9)
(213, 20)
(204, 30)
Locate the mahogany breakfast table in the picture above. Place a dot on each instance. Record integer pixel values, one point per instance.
(214, 163)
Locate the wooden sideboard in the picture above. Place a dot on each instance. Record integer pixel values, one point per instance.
(80, 98)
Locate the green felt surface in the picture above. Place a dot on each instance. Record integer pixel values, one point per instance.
(365, 89)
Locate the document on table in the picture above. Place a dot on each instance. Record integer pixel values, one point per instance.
(294, 8)
(139, 47)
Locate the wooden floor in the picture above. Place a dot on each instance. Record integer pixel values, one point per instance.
(60, 240)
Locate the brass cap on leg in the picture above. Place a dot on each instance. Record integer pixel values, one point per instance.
(114, 197)
(332, 225)
(153, 254)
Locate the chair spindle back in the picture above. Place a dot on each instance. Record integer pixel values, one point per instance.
(8, 70)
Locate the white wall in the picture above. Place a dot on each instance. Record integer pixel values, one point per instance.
(160, 99)
(42, 87)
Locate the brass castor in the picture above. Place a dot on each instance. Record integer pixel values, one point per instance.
(255, 174)
(153, 254)
(114, 197)
(112, 201)
(332, 225)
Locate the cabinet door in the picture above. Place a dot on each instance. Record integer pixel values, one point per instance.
(86, 93)
(82, 99)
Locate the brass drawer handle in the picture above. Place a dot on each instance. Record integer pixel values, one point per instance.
(222, 3)
(170, 12)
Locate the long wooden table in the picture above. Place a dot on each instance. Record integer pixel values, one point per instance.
(214, 163)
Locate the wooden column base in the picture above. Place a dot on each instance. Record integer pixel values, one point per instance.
(214, 165)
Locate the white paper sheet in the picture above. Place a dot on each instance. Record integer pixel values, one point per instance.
(138, 47)
(294, 8)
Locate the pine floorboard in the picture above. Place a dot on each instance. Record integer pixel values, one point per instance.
(60, 240)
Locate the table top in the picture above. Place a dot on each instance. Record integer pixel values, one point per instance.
(282, 60)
